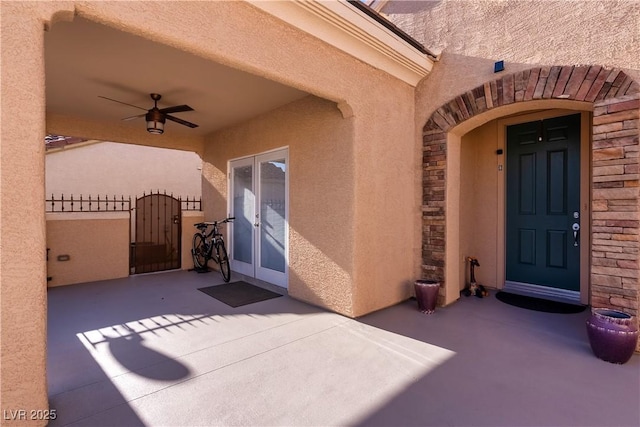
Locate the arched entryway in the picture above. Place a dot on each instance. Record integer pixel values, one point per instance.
(609, 101)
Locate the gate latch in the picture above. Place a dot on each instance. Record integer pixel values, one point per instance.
(176, 219)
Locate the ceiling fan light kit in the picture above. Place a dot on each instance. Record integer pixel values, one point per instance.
(155, 122)
(157, 117)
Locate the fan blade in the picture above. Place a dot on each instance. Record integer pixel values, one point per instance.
(182, 122)
(120, 102)
(176, 109)
(134, 117)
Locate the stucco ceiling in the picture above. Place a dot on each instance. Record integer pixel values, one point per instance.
(85, 60)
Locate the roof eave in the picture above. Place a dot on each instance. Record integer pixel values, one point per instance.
(358, 33)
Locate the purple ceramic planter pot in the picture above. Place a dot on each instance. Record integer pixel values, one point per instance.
(613, 334)
(427, 295)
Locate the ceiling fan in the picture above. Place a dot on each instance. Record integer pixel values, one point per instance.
(156, 117)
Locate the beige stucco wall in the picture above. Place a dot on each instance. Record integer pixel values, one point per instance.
(109, 168)
(342, 197)
(472, 35)
(324, 204)
(97, 245)
(383, 219)
(479, 203)
(22, 231)
(549, 32)
(321, 201)
(188, 219)
(388, 189)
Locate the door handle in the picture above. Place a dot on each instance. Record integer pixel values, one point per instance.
(576, 229)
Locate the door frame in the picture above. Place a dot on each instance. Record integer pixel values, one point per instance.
(258, 272)
(585, 192)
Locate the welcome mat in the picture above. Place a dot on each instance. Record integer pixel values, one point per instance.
(237, 294)
(538, 304)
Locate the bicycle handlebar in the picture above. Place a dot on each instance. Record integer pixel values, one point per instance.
(222, 221)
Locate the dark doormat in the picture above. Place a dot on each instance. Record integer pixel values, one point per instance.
(538, 304)
(237, 294)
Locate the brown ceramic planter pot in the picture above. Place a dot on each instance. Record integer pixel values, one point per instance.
(427, 295)
(613, 335)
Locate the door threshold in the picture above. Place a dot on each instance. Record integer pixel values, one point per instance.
(543, 292)
(260, 283)
(155, 272)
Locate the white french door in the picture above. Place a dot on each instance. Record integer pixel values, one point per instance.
(259, 189)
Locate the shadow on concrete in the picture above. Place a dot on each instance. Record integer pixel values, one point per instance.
(111, 342)
(153, 350)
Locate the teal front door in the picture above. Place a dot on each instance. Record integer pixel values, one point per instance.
(543, 204)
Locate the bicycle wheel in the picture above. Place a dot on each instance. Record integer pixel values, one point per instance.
(199, 251)
(223, 260)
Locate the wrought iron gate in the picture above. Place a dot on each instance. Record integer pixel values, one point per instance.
(158, 234)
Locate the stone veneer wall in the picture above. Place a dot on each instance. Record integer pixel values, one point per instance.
(615, 218)
(615, 258)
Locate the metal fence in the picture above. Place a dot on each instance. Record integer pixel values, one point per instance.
(191, 204)
(106, 203)
(82, 203)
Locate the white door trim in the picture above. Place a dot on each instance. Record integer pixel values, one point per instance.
(254, 269)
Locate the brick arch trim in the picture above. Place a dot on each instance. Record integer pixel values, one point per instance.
(615, 250)
(591, 84)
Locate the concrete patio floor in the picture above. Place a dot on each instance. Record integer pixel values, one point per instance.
(152, 350)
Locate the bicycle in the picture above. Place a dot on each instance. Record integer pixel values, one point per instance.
(204, 243)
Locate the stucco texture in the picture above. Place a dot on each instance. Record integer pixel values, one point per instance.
(531, 32)
(336, 202)
(22, 231)
(110, 168)
(189, 218)
(479, 203)
(320, 187)
(472, 35)
(96, 244)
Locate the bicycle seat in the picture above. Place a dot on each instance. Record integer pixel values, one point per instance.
(201, 226)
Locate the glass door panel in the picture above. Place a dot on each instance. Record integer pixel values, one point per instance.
(243, 208)
(272, 215)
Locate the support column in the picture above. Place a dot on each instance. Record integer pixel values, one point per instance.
(22, 234)
(433, 207)
(615, 253)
